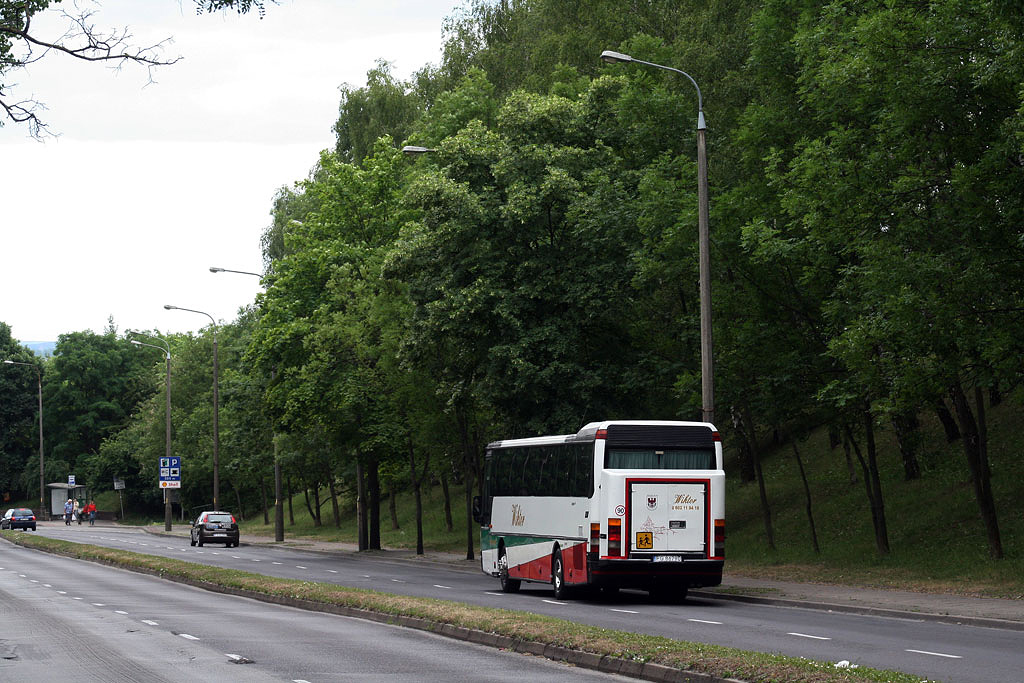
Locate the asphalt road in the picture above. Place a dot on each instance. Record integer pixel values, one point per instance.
(941, 652)
(72, 620)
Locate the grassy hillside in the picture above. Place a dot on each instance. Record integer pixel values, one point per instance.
(935, 531)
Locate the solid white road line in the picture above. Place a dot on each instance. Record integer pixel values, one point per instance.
(804, 635)
(936, 654)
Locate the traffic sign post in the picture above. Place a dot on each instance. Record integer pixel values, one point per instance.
(71, 480)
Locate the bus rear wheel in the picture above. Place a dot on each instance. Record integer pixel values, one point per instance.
(507, 585)
(558, 577)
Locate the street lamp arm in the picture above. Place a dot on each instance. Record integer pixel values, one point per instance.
(214, 269)
(192, 310)
(152, 346)
(612, 57)
(166, 348)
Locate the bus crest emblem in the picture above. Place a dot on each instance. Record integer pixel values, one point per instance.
(652, 502)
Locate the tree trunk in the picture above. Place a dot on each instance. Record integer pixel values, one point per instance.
(468, 464)
(751, 438)
(317, 522)
(373, 484)
(908, 438)
(995, 397)
(417, 481)
(807, 496)
(849, 461)
(361, 504)
(335, 510)
(448, 524)
(238, 499)
(976, 452)
(872, 484)
(291, 513)
(263, 495)
(392, 507)
(948, 423)
(746, 458)
(305, 492)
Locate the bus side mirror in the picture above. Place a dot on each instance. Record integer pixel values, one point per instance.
(477, 516)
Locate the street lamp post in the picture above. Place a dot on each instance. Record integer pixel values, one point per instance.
(39, 380)
(704, 239)
(278, 501)
(216, 404)
(166, 348)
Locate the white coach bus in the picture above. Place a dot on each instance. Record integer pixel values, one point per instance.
(619, 504)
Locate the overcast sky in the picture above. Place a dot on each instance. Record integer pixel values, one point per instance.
(150, 184)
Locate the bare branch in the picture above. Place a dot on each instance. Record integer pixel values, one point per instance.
(81, 40)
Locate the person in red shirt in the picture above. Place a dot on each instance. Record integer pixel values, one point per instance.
(90, 510)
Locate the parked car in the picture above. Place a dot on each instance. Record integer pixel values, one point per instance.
(18, 518)
(215, 526)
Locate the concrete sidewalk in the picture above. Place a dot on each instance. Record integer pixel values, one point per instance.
(941, 607)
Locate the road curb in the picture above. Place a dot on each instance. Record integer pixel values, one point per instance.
(952, 619)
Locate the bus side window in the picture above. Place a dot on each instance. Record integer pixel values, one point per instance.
(583, 482)
(562, 473)
(521, 474)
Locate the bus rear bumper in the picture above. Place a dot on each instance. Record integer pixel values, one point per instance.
(640, 573)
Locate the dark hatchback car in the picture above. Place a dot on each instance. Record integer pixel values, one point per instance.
(18, 518)
(214, 526)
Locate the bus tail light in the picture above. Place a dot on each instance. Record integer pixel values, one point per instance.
(601, 434)
(614, 537)
(595, 537)
(719, 538)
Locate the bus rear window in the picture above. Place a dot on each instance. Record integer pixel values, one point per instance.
(652, 459)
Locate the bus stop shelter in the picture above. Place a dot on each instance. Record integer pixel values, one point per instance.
(60, 492)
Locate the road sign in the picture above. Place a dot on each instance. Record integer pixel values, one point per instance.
(71, 480)
(118, 484)
(170, 473)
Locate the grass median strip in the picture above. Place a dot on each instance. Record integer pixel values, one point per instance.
(523, 626)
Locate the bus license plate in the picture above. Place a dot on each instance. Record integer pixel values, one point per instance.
(668, 558)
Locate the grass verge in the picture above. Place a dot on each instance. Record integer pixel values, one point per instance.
(706, 659)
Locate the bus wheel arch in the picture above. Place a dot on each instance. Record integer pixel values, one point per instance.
(508, 585)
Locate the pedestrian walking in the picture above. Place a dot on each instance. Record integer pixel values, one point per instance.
(90, 511)
(69, 508)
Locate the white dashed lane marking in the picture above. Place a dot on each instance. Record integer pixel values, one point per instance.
(804, 635)
(705, 621)
(935, 654)
(624, 611)
(187, 636)
(150, 622)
